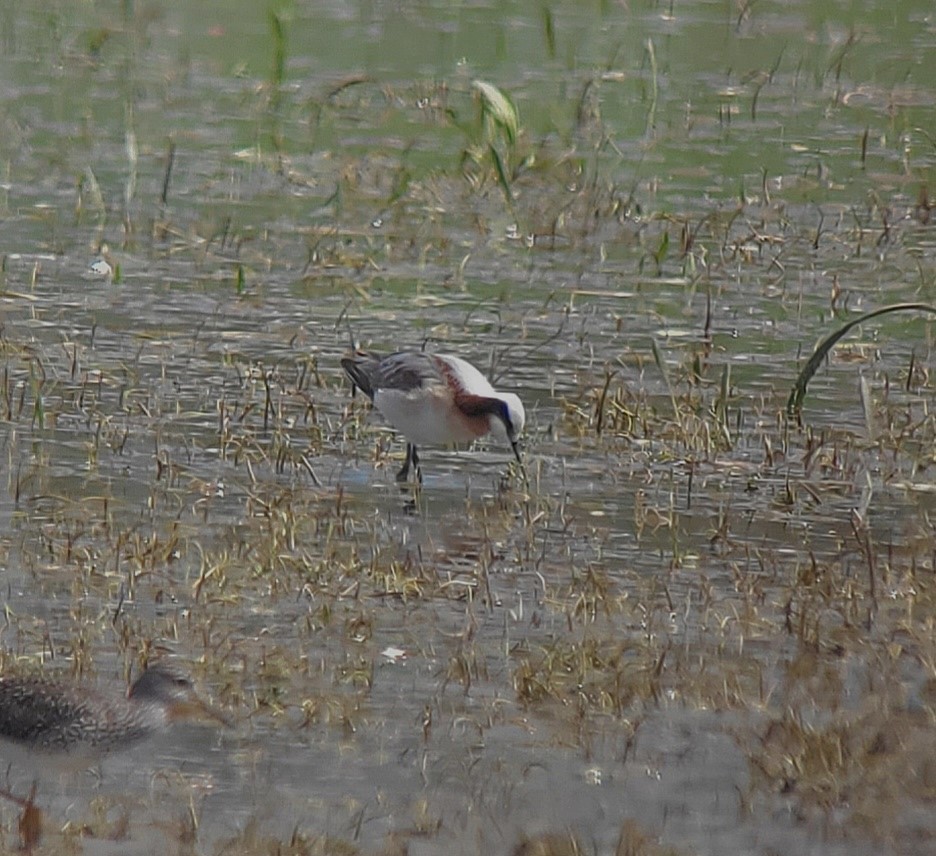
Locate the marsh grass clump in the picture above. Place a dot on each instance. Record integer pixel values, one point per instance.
(594, 676)
(868, 764)
(253, 841)
(550, 844)
(272, 420)
(498, 137)
(634, 840)
(691, 418)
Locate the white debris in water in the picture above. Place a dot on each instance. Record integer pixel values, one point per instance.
(593, 776)
(393, 655)
(102, 268)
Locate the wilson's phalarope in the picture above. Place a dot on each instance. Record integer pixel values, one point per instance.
(436, 399)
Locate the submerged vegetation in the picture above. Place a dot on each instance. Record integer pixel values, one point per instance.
(699, 620)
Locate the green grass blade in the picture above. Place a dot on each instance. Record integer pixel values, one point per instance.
(795, 402)
(278, 31)
(501, 173)
(549, 27)
(496, 105)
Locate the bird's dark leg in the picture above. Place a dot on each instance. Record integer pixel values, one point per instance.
(404, 470)
(412, 458)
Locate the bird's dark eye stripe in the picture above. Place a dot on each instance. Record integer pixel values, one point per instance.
(505, 416)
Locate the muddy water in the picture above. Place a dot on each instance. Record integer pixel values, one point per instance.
(694, 621)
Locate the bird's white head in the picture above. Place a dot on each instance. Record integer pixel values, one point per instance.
(508, 420)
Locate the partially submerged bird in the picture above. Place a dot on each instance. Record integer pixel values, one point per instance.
(67, 726)
(53, 716)
(436, 399)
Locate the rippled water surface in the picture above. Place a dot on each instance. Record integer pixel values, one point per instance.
(691, 624)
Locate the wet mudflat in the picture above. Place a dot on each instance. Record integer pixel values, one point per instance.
(692, 623)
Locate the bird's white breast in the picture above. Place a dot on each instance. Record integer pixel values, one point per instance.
(428, 416)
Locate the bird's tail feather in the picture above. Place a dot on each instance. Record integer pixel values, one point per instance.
(356, 369)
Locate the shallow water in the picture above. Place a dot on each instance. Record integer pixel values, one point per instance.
(693, 613)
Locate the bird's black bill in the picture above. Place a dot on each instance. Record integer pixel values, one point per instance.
(516, 450)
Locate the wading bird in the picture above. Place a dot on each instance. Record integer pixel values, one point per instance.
(435, 399)
(68, 726)
(53, 716)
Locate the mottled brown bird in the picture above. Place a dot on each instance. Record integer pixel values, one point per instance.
(45, 714)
